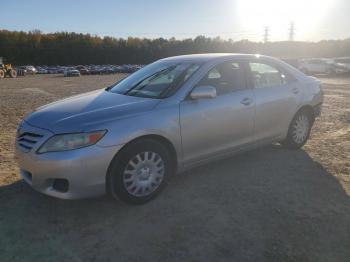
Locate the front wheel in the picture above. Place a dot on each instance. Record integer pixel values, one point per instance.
(140, 171)
(13, 73)
(299, 130)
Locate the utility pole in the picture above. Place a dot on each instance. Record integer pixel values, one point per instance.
(291, 31)
(266, 34)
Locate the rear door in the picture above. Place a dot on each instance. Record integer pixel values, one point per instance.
(277, 96)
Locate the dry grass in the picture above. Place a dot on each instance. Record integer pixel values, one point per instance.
(20, 96)
(269, 204)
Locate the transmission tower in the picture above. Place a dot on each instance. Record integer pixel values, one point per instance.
(266, 34)
(291, 31)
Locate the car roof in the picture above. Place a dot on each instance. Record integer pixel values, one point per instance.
(202, 58)
(218, 57)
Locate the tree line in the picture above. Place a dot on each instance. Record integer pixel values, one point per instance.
(65, 48)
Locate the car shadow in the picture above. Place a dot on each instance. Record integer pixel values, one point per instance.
(270, 204)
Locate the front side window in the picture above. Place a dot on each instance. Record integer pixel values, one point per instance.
(265, 75)
(157, 80)
(226, 77)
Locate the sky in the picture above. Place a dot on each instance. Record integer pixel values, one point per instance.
(314, 20)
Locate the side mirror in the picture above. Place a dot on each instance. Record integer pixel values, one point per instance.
(201, 92)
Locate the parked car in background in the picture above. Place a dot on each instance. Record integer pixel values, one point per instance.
(54, 70)
(23, 69)
(71, 72)
(30, 70)
(345, 61)
(176, 113)
(339, 68)
(321, 66)
(41, 70)
(83, 70)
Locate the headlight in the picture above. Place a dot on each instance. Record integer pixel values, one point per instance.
(71, 141)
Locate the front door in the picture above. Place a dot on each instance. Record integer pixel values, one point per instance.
(221, 124)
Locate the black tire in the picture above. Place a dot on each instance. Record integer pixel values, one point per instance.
(2, 73)
(116, 178)
(292, 141)
(13, 73)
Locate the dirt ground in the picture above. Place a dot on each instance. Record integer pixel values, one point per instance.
(270, 204)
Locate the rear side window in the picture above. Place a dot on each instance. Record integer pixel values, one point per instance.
(265, 75)
(226, 77)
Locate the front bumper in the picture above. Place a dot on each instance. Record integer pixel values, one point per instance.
(84, 170)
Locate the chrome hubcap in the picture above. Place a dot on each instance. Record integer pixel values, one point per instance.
(301, 129)
(143, 174)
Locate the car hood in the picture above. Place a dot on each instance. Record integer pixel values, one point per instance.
(87, 111)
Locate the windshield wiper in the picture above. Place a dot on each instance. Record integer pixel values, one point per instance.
(108, 88)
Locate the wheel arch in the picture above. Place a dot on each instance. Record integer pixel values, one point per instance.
(159, 138)
(304, 108)
(163, 140)
(308, 109)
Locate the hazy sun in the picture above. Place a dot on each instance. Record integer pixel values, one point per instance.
(277, 14)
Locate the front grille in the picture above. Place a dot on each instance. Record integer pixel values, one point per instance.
(27, 140)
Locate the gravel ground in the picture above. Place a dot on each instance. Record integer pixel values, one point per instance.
(270, 204)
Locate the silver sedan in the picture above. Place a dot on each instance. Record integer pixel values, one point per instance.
(173, 114)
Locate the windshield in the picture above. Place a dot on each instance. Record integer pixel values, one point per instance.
(157, 80)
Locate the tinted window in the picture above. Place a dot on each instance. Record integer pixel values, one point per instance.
(226, 77)
(265, 75)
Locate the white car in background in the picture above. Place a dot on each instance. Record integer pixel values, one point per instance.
(345, 61)
(322, 66)
(31, 70)
(71, 72)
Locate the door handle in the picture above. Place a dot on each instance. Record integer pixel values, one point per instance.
(295, 90)
(247, 101)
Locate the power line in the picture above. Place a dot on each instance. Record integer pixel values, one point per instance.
(266, 34)
(291, 31)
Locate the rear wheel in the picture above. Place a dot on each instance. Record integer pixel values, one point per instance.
(140, 171)
(299, 130)
(2, 74)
